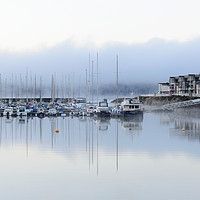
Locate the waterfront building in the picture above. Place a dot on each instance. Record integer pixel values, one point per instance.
(163, 88)
(188, 85)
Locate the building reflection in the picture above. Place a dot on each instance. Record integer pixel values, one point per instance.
(164, 119)
(185, 127)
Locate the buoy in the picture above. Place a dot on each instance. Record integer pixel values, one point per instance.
(57, 131)
(183, 129)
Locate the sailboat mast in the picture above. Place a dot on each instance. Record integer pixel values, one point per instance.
(0, 88)
(12, 87)
(65, 87)
(40, 89)
(92, 82)
(68, 87)
(86, 87)
(16, 88)
(26, 85)
(73, 85)
(5, 91)
(31, 91)
(35, 86)
(117, 79)
(89, 78)
(52, 85)
(79, 92)
(97, 77)
(20, 87)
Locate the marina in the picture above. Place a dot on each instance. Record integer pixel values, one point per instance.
(99, 100)
(67, 107)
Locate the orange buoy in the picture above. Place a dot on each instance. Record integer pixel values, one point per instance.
(183, 129)
(57, 131)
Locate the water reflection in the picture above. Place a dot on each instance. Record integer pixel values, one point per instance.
(132, 123)
(85, 133)
(185, 127)
(102, 123)
(100, 156)
(65, 125)
(74, 133)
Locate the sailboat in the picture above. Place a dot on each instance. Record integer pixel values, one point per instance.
(128, 107)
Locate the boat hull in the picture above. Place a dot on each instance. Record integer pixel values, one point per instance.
(40, 115)
(119, 113)
(102, 114)
(131, 113)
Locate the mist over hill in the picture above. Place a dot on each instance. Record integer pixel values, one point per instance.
(125, 89)
(152, 62)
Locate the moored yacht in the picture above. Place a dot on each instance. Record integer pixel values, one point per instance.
(40, 112)
(102, 109)
(52, 112)
(8, 111)
(22, 111)
(128, 107)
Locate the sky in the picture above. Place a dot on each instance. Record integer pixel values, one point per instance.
(153, 38)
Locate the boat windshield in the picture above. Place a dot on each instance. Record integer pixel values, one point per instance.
(103, 104)
(80, 101)
(21, 109)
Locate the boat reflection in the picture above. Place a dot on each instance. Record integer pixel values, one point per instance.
(8, 119)
(133, 123)
(102, 123)
(22, 120)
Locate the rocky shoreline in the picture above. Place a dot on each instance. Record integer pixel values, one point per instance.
(162, 100)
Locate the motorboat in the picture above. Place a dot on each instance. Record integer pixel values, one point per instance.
(40, 112)
(52, 112)
(90, 110)
(14, 112)
(128, 107)
(131, 106)
(22, 111)
(8, 111)
(102, 109)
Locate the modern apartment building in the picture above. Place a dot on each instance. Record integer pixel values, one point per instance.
(181, 85)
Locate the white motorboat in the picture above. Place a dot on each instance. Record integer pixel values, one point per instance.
(128, 107)
(22, 111)
(52, 112)
(8, 111)
(90, 110)
(40, 112)
(102, 109)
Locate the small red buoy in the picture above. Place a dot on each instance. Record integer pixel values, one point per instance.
(57, 131)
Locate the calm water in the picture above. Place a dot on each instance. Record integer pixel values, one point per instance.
(140, 158)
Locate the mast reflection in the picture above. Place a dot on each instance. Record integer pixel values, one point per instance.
(75, 134)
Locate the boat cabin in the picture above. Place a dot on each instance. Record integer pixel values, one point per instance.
(103, 104)
(130, 104)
